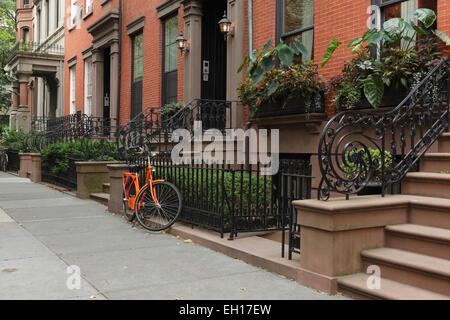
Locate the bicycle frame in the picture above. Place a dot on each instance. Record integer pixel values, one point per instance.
(135, 182)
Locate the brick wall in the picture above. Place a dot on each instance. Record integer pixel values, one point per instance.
(76, 41)
(151, 94)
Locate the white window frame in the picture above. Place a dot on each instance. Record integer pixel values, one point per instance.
(73, 85)
(88, 86)
(89, 6)
(73, 13)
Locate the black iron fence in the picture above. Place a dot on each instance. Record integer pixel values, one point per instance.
(13, 160)
(67, 178)
(91, 138)
(234, 198)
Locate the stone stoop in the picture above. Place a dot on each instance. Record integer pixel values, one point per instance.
(415, 260)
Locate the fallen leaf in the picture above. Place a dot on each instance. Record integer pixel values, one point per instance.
(188, 241)
(243, 289)
(179, 298)
(92, 297)
(9, 270)
(20, 224)
(178, 243)
(178, 237)
(237, 260)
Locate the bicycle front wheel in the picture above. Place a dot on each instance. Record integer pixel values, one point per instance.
(161, 216)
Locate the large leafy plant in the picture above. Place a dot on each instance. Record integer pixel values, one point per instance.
(403, 48)
(274, 73)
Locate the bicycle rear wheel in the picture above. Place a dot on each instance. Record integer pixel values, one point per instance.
(158, 217)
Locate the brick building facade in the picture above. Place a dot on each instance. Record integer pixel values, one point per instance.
(121, 56)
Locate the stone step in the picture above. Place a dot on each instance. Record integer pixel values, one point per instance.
(420, 239)
(427, 184)
(413, 269)
(355, 286)
(435, 163)
(106, 187)
(429, 211)
(444, 142)
(102, 198)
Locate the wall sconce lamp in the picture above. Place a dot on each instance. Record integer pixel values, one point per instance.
(182, 43)
(226, 26)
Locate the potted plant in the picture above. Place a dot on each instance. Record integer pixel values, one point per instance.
(276, 84)
(403, 51)
(169, 110)
(360, 162)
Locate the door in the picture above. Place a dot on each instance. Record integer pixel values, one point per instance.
(214, 51)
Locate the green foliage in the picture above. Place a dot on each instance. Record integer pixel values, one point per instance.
(7, 41)
(14, 140)
(274, 75)
(351, 169)
(403, 48)
(171, 109)
(56, 156)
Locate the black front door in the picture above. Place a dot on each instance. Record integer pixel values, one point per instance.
(214, 51)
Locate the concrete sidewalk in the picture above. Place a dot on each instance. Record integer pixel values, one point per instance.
(43, 231)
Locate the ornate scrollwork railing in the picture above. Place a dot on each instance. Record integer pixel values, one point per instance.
(82, 127)
(358, 148)
(152, 131)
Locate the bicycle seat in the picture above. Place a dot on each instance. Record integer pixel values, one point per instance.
(134, 166)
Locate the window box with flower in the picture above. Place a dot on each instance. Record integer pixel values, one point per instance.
(388, 63)
(277, 85)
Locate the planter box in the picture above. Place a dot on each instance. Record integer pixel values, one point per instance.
(280, 107)
(91, 175)
(392, 98)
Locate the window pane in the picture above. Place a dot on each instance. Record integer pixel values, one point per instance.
(298, 14)
(307, 38)
(138, 53)
(171, 51)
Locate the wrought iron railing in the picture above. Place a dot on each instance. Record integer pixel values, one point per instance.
(150, 130)
(35, 47)
(46, 131)
(358, 148)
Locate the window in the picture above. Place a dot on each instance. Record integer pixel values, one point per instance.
(26, 3)
(170, 61)
(47, 17)
(89, 6)
(26, 35)
(73, 13)
(295, 19)
(137, 72)
(57, 9)
(88, 86)
(403, 8)
(73, 107)
(38, 27)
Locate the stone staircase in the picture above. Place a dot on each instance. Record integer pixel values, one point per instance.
(102, 197)
(415, 259)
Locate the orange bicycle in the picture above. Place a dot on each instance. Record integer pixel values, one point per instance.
(156, 205)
